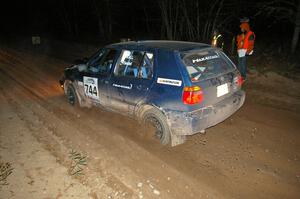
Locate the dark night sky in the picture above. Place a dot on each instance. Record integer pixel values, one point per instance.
(78, 20)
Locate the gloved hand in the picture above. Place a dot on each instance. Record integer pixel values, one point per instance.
(251, 52)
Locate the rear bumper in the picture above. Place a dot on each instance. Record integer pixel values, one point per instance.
(182, 123)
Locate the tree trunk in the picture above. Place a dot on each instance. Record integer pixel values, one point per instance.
(297, 30)
(166, 20)
(216, 18)
(146, 17)
(109, 21)
(66, 21)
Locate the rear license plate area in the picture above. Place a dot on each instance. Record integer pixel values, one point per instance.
(222, 90)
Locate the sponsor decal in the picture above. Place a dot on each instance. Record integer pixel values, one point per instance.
(122, 86)
(172, 82)
(91, 87)
(90, 81)
(205, 58)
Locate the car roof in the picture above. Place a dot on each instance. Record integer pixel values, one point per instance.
(160, 44)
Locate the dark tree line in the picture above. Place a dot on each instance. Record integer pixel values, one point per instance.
(283, 10)
(166, 19)
(110, 20)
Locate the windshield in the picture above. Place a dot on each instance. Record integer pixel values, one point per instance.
(206, 64)
(95, 57)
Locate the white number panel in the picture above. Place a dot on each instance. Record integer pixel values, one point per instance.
(222, 90)
(91, 87)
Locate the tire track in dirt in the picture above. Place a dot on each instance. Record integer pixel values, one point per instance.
(58, 146)
(36, 172)
(227, 158)
(118, 145)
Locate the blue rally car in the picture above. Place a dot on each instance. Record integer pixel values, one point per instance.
(181, 88)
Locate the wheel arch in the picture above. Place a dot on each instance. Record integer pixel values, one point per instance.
(82, 101)
(142, 108)
(174, 139)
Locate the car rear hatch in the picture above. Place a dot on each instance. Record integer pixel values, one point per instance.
(213, 77)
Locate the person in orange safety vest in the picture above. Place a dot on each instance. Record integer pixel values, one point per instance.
(245, 46)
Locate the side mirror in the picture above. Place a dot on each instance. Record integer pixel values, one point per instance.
(82, 67)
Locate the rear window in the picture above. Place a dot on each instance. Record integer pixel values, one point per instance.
(206, 64)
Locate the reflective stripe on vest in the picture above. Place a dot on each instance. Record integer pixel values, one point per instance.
(240, 41)
(249, 44)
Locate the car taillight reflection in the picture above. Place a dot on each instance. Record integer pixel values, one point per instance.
(239, 80)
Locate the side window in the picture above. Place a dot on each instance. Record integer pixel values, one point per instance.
(146, 70)
(137, 64)
(103, 63)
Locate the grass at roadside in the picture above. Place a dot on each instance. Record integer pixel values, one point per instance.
(78, 163)
(6, 169)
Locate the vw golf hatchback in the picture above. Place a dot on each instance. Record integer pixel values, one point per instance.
(181, 88)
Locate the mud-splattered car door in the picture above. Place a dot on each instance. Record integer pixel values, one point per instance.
(131, 80)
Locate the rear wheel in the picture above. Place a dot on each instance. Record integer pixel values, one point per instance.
(71, 95)
(157, 119)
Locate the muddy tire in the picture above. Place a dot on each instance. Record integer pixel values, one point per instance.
(158, 120)
(71, 96)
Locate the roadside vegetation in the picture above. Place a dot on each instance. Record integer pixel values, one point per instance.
(78, 163)
(6, 169)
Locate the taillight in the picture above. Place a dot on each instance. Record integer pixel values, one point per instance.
(192, 95)
(238, 80)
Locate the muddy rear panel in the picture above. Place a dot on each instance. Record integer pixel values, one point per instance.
(212, 70)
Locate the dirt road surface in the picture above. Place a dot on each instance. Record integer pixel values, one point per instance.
(253, 154)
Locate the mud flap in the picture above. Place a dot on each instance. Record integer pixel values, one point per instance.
(177, 139)
(83, 101)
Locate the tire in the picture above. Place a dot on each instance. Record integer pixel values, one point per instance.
(158, 120)
(71, 96)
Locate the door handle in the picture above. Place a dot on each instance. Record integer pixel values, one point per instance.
(105, 81)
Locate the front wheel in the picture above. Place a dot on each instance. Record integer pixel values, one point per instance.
(158, 120)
